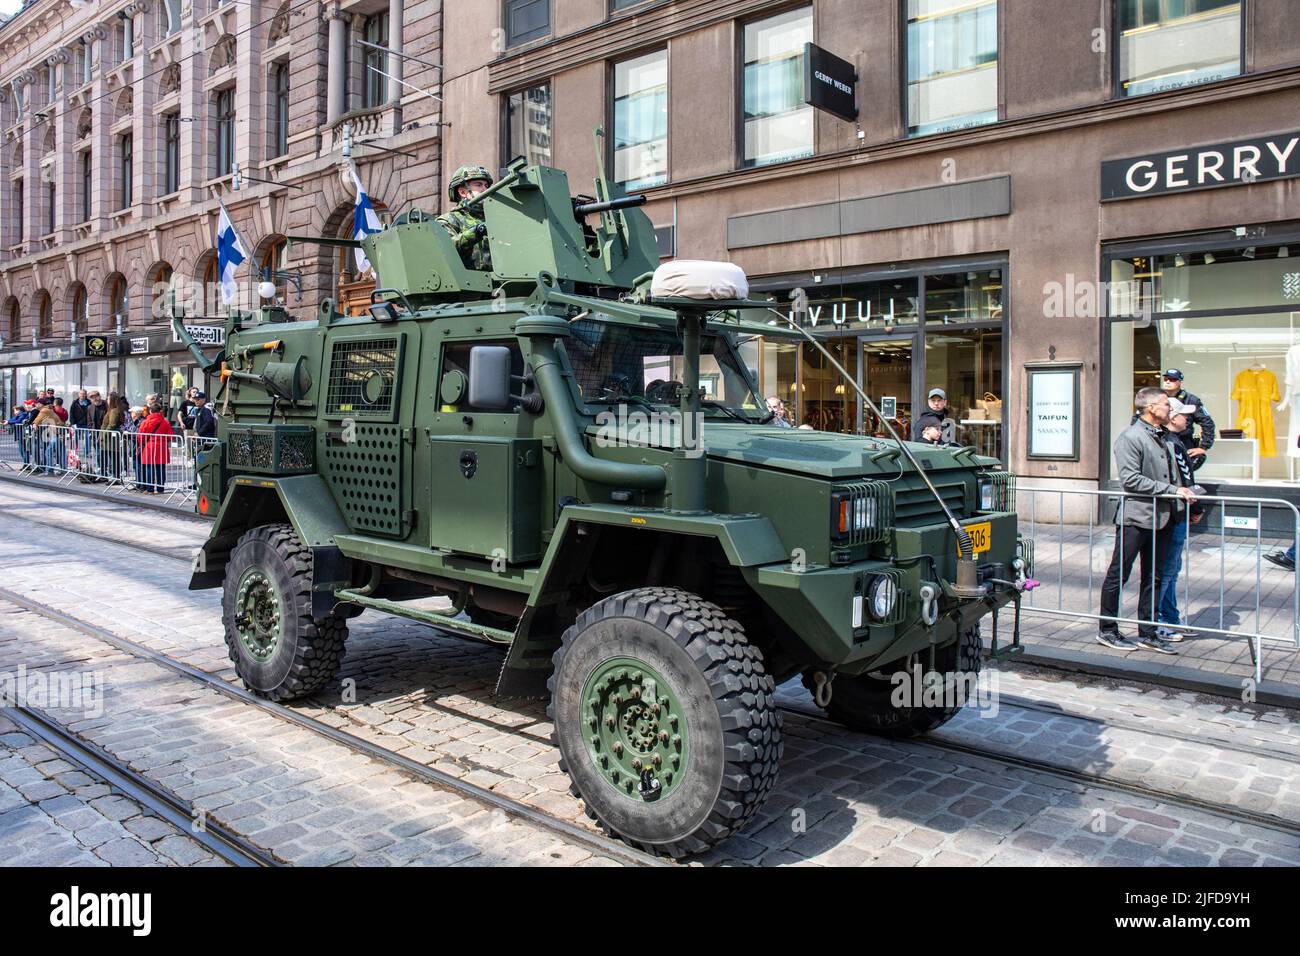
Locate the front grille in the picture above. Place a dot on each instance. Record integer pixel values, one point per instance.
(917, 505)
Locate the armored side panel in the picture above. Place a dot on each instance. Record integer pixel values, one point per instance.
(487, 496)
(362, 452)
(533, 230)
(419, 258)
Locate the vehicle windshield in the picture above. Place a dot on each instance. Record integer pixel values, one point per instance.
(616, 363)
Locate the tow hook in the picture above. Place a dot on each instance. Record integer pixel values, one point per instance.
(1022, 583)
(822, 688)
(649, 784)
(929, 604)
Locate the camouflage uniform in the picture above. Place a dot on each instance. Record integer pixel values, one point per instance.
(463, 223)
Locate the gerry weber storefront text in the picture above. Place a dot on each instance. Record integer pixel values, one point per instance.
(132, 365)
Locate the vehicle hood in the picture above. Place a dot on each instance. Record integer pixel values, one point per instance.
(823, 454)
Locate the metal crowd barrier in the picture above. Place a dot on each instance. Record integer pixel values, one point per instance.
(1221, 588)
(165, 465)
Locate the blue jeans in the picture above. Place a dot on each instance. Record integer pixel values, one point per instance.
(1167, 603)
(1290, 554)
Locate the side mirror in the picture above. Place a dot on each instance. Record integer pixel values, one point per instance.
(489, 377)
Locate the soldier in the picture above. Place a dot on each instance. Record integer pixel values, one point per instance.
(465, 223)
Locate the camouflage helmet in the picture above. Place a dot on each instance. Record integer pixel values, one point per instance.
(464, 175)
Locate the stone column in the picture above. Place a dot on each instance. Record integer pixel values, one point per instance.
(338, 65)
(395, 88)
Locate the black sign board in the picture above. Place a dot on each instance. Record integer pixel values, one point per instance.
(829, 83)
(96, 346)
(1235, 163)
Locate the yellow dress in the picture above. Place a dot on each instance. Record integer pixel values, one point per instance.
(1255, 391)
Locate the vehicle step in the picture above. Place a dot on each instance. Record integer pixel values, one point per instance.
(444, 621)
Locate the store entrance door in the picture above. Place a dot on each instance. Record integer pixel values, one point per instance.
(887, 380)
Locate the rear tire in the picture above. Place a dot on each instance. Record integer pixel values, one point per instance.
(280, 651)
(660, 679)
(864, 702)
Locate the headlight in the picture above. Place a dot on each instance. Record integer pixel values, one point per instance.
(882, 596)
(985, 494)
(852, 515)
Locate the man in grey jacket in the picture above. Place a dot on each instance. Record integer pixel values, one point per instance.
(1145, 524)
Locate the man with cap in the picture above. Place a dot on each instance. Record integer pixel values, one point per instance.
(203, 418)
(1171, 630)
(1196, 445)
(936, 416)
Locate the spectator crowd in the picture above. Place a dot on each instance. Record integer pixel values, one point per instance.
(106, 439)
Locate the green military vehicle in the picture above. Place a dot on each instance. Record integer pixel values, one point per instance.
(586, 470)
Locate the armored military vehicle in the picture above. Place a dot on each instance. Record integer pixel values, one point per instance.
(574, 455)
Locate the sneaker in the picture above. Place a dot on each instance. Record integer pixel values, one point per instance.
(1280, 559)
(1154, 643)
(1115, 640)
(1170, 634)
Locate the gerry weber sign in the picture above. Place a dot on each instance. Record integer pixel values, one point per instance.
(1204, 167)
(829, 83)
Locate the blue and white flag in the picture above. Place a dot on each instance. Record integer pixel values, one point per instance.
(231, 254)
(365, 221)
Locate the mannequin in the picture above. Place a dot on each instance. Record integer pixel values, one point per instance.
(1289, 400)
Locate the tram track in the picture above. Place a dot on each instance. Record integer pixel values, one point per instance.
(1004, 700)
(572, 833)
(935, 743)
(218, 839)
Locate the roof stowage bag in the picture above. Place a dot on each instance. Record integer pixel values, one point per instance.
(699, 279)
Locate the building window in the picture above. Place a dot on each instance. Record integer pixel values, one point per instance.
(46, 318)
(375, 62)
(528, 125)
(641, 121)
(527, 20)
(51, 207)
(171, 16)
(280, 135)
(87, 61)
(1226, 317)
(119, 307)
(778, 125)
(624, 4)
(171, 153)
(126, 36)
(80, 310)
(87, 186)
(225, 139)
(20, 209)
(1165, 44)
(126, 171)
(15, 322)
(952, 65)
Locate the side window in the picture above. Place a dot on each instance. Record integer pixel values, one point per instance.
(455, 358)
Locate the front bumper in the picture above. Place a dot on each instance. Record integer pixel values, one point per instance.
(817, 603)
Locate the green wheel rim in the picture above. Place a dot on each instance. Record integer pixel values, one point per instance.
(259, 614)
(635, 729)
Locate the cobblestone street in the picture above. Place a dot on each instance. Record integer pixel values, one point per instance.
(1056, 772)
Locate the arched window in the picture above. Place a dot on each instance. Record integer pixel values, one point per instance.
(80, 310)
(211, 287)
(119, 303)
(279, 138)
(45, 311)
(160, 288)
(15, 321)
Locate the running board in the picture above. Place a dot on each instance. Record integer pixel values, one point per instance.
(444, 621)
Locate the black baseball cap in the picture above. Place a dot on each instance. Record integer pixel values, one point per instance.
(1175, 373)
(200, 394)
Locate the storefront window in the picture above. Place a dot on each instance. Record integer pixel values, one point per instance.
(952, 65)
(94, 377)
(827, 402)
(31, 379)
(779, 371)
(879, 306)
(887, 380)
(641, 121)
(968, 367)
(1166, 44)
(145, 376)
(963, 297)
(778, 124)
(1231, 325)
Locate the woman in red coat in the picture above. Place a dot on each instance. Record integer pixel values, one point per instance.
(154, 436)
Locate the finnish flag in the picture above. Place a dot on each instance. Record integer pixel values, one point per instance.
(230, 255)
(365, 221)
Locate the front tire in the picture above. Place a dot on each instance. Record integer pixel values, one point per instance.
(866, 702)
(280, 651)
(664, 716)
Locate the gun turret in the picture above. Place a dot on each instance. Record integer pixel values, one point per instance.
(622, 202)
